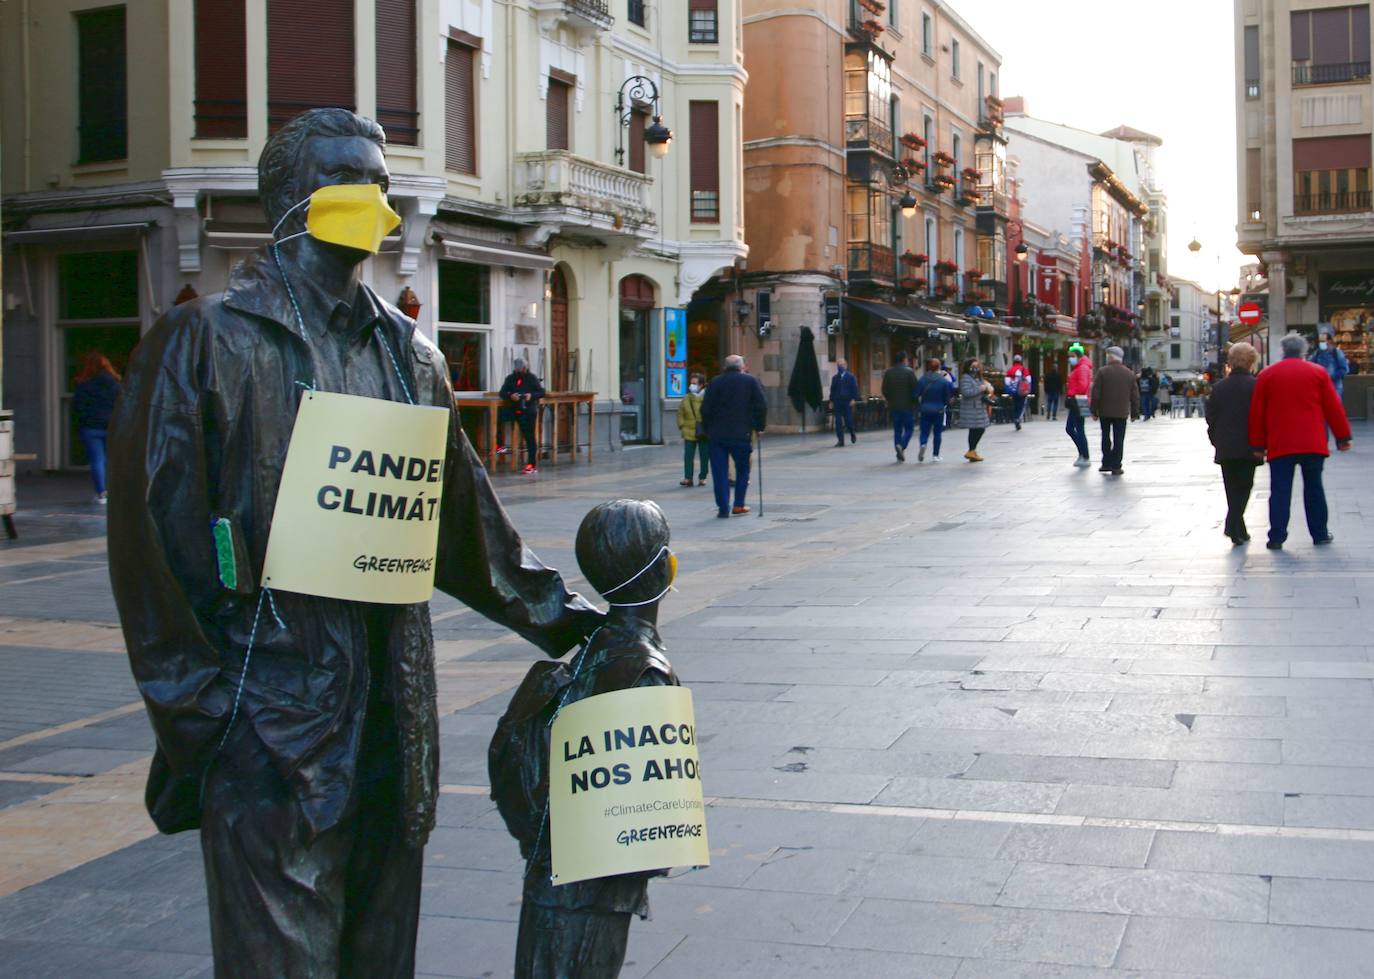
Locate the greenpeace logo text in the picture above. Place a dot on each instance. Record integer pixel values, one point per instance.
(647, 834)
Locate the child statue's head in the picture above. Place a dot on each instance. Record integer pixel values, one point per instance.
(622, 548)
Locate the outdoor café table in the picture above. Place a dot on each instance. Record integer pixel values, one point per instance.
(488, 436)
(566, 406)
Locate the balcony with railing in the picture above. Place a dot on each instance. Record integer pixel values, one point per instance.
(555, 187)
(591, 16)
(868, 260)
(1348, 202)
(1305, 73)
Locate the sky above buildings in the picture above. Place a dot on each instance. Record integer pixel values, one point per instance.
(1167, 67)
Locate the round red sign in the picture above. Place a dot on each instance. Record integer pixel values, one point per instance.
(1250, 313)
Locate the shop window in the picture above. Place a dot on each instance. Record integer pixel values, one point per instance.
(464, 293)
(464, 352)
(102, 86)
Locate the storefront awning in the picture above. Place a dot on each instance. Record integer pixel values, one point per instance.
(90, 232)
(491, 253)
(916, 319)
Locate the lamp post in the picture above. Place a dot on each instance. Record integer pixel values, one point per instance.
(635, 91)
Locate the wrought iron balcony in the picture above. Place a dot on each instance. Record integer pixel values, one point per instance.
(872, 261)
(1350, 71)
(582, 15)
(1346, 203)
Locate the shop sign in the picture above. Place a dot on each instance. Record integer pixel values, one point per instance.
(1346, 291)
(675, 352)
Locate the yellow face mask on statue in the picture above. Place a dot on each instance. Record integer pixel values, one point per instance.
(672, 567)
(352, 215)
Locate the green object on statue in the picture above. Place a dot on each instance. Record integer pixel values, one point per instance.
(224, 553)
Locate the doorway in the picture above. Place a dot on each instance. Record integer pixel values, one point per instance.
(560, 376)
(636, 374)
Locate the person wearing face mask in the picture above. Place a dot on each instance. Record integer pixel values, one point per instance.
(299, 733)
(1077, 391)
(844, 391)
(1331, 358)
(695, 445)
(975, 394)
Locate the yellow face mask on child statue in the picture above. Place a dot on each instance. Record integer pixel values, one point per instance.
(352, 215)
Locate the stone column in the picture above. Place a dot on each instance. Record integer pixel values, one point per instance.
(1278, 301)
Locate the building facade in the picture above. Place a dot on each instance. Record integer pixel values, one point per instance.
(875, 185)
(1094, 188)
(539, 220)
(1186, 346)
(1304, 119)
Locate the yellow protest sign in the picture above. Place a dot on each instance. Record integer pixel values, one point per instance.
(624, 785)
(357, 514)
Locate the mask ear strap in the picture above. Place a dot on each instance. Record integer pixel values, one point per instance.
(277, 227)
(639, 574)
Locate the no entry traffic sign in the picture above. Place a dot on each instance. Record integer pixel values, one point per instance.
(1250, 313)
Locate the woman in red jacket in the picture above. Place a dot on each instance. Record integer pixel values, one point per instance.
(1293, 404)
(1080, 382)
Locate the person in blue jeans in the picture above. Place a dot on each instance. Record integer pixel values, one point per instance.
(732, 410)
(899, 389)
(93, 401)
(933, 392)
(844, 391)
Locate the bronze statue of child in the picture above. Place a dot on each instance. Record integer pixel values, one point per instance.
(579, 930)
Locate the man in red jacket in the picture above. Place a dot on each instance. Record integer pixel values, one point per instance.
(1293, 404)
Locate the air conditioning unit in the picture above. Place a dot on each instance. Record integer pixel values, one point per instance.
(1297, 287)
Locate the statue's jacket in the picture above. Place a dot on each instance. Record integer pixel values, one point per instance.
(199, 435)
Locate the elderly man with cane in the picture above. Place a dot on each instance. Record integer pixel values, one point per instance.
(733, 409)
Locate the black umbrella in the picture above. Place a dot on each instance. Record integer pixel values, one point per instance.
(805, 386)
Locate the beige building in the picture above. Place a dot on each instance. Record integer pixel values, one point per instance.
(539, 222)
(875, 185)
(1304, 118)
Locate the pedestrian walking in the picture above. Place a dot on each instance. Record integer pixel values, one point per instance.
(1054, 392)
(1077, 392)
(1331, 358)
(93, 402)
(695, 445)
(1115, 397)
(933, 392)
(523, 390)
(844, 390)
(1018, 385)
(1149, 387)
(1228, 428)
(732, 410)
(975, 398)
(1293, 405)
(899, 389)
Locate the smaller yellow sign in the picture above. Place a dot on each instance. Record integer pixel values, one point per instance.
(357, 514)
(624, 785)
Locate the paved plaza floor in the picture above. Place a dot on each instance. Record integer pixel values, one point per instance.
(1009, 719)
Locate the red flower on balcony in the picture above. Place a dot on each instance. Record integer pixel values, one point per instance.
(914, 259)
(946, 267)
(972, 174)
(943, 159)
(872, 28)
(914, 165)
(973, 274)
(876, 6)
(942, 180)
(913, 141)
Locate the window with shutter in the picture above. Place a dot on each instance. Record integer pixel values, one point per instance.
(396, 71)
(704, 119)
(221, 70)
(309, 57)
(702, 22)
(639, 121)
(102, 86)
(556, 114)
(460, 109)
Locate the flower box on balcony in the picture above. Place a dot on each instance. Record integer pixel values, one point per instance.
(968, 198)
(945, 292)
(914, 259)
(874, 6)
(913, 141)
(914, 165)
(942, 180)
(943, 159)
(946, 267)
(910, 284)
(872, 28)
(972, 174)
(973, 274)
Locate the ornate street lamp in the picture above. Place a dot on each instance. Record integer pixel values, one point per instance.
(908, 205)
(637, 90)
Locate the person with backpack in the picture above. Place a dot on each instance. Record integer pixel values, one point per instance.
(1331, 359)
(581, 928)
(1149, 387)
(1018, 385)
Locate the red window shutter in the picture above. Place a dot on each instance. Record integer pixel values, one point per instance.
(639, 121)
(704, 120)
(221, 70)
(396, 71)
(309, 57)
(460, 105)
(556, 114)
(1332, 153)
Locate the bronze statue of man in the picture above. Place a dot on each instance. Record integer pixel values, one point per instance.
(298, 734)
